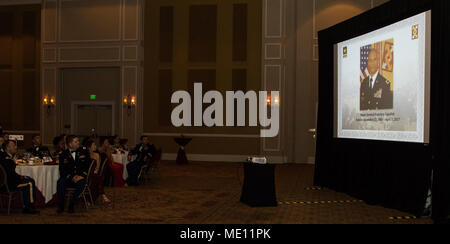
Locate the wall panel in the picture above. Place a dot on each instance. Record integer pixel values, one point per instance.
(90, 21)
(94, 35)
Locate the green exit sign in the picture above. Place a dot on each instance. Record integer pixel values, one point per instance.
(93, 97)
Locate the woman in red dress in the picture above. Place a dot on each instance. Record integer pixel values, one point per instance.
(116, 169)
(97, 186)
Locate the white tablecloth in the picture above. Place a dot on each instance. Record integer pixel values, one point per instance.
(46, 178)
(122, 159)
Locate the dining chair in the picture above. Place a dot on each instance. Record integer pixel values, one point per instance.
(86, 191)
(7, 192)
(151, 167)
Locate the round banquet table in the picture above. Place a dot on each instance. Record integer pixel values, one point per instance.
(122, 159)
(46, 178)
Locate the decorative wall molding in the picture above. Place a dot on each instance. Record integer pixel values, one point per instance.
(276, 86)
(87, 54)
(315, 52)
(129, 87)
(134, 50)
(125, 17)
(19, 2)
(268, 11)
(274, 21)
(45, 19)
(273, 46)
(314, 34)
(119, 33)
(49, 55)
(49, 81)
(279, 68)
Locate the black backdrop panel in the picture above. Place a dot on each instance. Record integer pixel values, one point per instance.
(391, 174)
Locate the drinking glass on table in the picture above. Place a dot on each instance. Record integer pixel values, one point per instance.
(26, 156)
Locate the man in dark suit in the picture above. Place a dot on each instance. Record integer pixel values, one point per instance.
(74, 164)
(37, 150)
(144, 151)
(375, 93)
(15, 181)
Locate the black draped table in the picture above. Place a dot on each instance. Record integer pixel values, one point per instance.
(259, 185)
(182, 143)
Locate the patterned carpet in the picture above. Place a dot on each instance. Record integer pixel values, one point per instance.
(208, 193)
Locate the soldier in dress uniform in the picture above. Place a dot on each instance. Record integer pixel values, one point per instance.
(143, 151)
(15, 181)
(74, 164)
(376, 93)
(37, 150)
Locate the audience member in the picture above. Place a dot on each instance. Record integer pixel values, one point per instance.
(117, 146)
(115, 170)
(9, 150)
(15, 181)
(64, 137)
(144, 151)
(59, 145)
(74, 164)
(37, 150)
(97, 179)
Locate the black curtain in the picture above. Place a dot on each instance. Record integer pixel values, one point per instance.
(391, 174)
(440, 109)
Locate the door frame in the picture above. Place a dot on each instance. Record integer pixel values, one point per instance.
(74, 113)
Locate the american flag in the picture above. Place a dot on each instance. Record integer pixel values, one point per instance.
(364, 62)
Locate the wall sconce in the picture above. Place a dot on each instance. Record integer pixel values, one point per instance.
(130, 102)
(276, 101)
(49, 102)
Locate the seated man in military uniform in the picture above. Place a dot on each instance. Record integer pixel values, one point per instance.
(37, 150)
(143, 151)
(17, 182)
(74, 164)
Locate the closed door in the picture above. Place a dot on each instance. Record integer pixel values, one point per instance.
(94, 117)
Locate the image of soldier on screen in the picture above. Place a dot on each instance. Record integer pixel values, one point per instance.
(377, 74)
